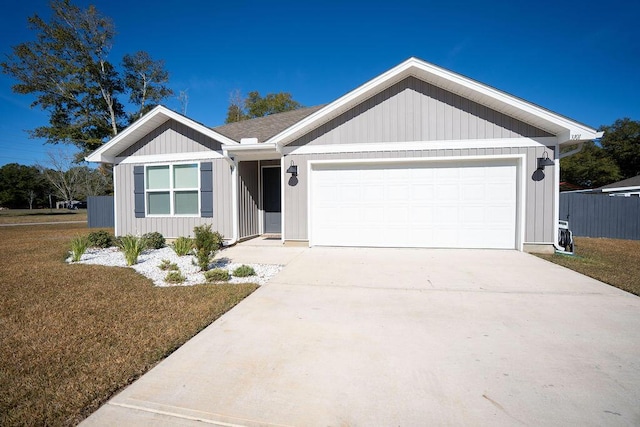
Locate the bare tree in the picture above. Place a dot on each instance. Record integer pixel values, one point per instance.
(64, 174)
(31, 197)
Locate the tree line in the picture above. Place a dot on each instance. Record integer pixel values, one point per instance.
(37, 186)
(615, 157)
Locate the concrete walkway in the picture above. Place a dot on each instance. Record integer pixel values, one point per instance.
(364, 337)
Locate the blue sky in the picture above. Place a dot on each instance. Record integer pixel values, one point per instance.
(579, 59)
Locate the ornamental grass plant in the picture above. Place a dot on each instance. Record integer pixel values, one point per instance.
(132, 246)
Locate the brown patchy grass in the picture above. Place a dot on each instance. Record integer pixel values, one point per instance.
(73, 335)
(24, 216)
(613, 261)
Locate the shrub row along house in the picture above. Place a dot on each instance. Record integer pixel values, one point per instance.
(417, 157)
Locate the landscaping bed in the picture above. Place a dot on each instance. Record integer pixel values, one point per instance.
(73, 335)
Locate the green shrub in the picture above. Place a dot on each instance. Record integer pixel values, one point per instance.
(168, 265)
(132, 247)
(182, 246)
(244, 271)
(79, 245)
(174, 277)
(153, 240)
(206, 243)
(217, 275)
(100, 239)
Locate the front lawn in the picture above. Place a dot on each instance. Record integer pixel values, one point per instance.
(73, 335)
(613, 261)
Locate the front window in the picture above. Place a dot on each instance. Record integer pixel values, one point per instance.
(172, 189)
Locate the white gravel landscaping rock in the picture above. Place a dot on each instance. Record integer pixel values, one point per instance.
(150, 259)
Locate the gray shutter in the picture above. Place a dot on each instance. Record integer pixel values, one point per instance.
(138, 190)
(206, 190)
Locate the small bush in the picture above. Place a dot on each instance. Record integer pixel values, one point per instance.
(100, 239)
(244, 271)
(182, 246)
(217, 275)
(79, 245)
(132, 247)
(206, 243)
(153, 240)
(174, 277)
(168, 265)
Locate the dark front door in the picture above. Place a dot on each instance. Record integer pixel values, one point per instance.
(271, 200)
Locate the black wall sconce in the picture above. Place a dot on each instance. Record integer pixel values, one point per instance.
(545, 161)
(293, 169)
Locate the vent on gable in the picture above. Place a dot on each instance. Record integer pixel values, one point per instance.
(248, 140)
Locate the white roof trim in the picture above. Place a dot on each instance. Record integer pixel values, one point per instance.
(614, 189)
(450, 144)
(565, 129)
(150, 121)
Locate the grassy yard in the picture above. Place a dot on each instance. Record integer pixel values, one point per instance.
(613, 261)
(73, 335)
(23, 216)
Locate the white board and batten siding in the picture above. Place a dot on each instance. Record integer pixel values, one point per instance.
(158, 147)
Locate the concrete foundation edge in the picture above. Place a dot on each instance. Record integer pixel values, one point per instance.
(539, 248)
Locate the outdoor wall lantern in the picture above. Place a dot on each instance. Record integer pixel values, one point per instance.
(293, 169)
(544, 161)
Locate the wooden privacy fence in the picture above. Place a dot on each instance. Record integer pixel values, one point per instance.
(601, 215)
(100, 212)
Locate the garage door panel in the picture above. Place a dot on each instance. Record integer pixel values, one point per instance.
(419, 205)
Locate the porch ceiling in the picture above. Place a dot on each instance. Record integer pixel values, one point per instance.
(260, 151)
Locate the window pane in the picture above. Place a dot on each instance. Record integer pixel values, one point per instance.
(157, 177)
(186, 202)
(185, 176)
(158, 203)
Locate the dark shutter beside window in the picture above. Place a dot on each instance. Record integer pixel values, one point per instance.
(206, 190)
(138, 190)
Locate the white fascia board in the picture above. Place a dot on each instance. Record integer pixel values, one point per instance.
(421, 145)
(168, 158)
(448, 80)
(618, 189)
(107, 152)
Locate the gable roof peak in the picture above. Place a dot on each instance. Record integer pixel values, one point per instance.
(566, 130)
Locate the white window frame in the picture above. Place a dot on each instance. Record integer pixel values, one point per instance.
(172, 191)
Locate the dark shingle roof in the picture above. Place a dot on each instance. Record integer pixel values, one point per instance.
(629, 182)
(266, 127)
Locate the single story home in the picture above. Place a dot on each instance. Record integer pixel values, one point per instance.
(417, 157)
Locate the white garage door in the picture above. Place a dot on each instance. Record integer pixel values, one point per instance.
(435, 204)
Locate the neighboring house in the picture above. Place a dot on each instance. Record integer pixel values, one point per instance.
(626, 188)
(417, 157)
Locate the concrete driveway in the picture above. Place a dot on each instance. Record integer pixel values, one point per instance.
(367, 337)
